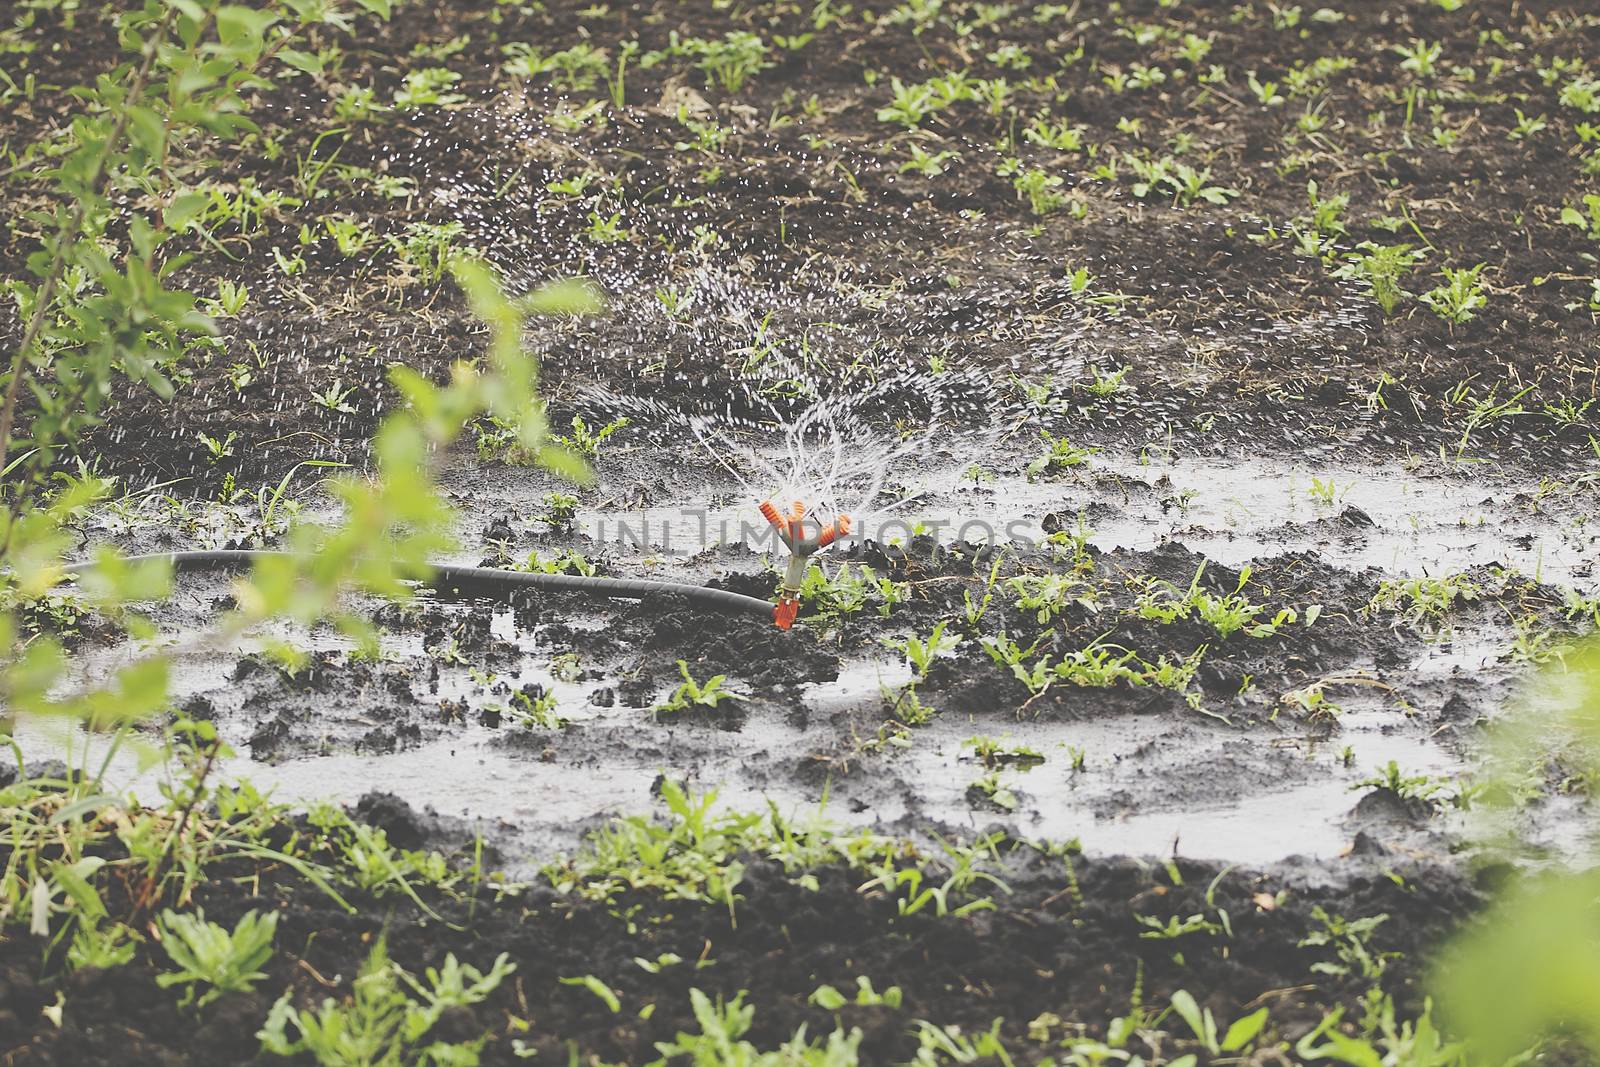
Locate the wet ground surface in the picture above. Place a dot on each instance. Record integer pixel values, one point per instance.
(1243, 811)
(1292, 721)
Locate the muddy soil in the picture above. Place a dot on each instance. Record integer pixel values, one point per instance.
(1050, 957)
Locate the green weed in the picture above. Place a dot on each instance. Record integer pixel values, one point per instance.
(387, 1019)
(692, 694)
(212, 958)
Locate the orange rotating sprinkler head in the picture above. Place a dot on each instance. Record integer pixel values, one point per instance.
(791, 530)
(840, 527)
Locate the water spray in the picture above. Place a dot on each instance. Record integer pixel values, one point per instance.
(831, 458)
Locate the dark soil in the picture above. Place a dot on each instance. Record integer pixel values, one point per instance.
(1072, 947)
(1228, 334)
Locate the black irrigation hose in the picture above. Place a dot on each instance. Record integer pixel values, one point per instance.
(462, 577)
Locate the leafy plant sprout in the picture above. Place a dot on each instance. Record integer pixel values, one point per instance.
(1460, 298)
(208, 955)
(692, 694)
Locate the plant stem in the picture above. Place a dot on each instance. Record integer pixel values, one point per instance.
(45, 296)
(152, 881)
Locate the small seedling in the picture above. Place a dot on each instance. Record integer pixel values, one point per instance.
(1349, 939)
(335, 398)
(1326, 492)
(921, 653)
(911, 105)
(828, 998)
(1391, 779)
(569, 562)
(1228, 613)
(560, 509)
(1103, 384)
(217, 450)
(721, 1039)
(1265, 92)
(1062, 136)
(1238, 1036)
(381, 1023)
(731, 61)
(1174, 928)
(1536, 644)
(1189, 184)
(606, 229)
(231, 299)
(1313, 701)
(208, 956)
(974, 610)
(928, 164)
(1099, 665)
(1425, 599)
(537, 709)
(1458, 300)
(1588, 219)
(906, 706)
(1381, 267)
(1420, 57)
(350, 236)
(1038, 188)
(1006, 652)
(602, 992)
(1048, 595)
(427, 88)
(951, 1044)
(1058, 454)
(587, 443)
(990, 790)
(1526, 127)
(289, 265)
(692, 694)
(995, 752)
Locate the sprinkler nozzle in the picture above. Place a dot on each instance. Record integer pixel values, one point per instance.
(839, 528)
(791, 530)
(797, 521)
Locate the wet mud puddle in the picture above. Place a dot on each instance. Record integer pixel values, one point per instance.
(434, 720)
